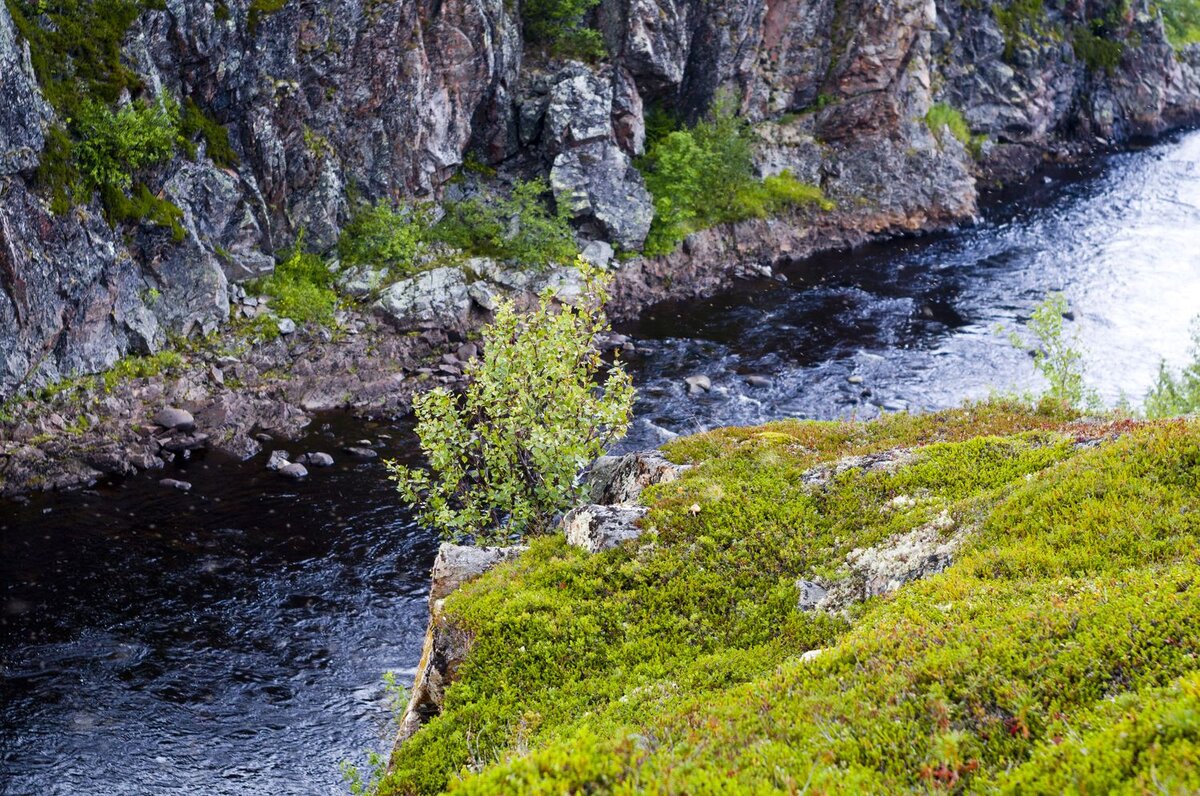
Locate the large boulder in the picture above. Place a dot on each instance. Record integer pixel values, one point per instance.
(599, 184)
(433, 299)
(23, 112)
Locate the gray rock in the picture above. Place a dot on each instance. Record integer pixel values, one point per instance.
(316, 459)
(24, 114)
(293, 470)
(171, 483)
(619, 480)
(598, 183)
(278, 460)
(757, 381)
(457, 564)
(286, 326)
(599, 253)
(810, 594)
(430, 300)
(698, 384)
(599, 528)
(174, 418)
(361, 452)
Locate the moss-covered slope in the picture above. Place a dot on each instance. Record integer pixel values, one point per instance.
(1058, 652)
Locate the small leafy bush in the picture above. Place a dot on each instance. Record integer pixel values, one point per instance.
(1182, 20)
(504, 458)
(381, 236)
(1095, 49)
(1177, 394)
(113, 145)
(519, 227)
(194, 123)
(1057, 358)
(301, 287)
(558, 26)
(704, 176)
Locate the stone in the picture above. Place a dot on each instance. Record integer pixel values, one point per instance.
(293, 470)
(619, 480)
(286, 326)
(316, 459)
(175, 419)
(599, 184)
(435, 299)
(457, 564)
(599, 528)
(757, 381)
(278, 460)
(698, 384)
(361, 452)
(810, 594)
(599, 253)
(171, 483)
(467, 351)
(855, 379)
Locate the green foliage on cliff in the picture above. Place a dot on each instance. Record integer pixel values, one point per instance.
(1177, 394)
(113, 145)
(559, 27)
(516, 227)
(195, 123)
(1021, 22)
(382, 236)
(941, 117)
(301, 287)
(1182, 20)
(505, 457)
(1095, 48)
(1058, 653)
(704, 175)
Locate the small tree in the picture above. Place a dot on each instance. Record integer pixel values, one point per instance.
(504, 458)
(1177, 394)
(1056, 357)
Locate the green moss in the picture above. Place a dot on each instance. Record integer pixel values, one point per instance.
(143, 206)
(194, 123)
(941, 117)
(1021, 22)
(1096, 50)
(262, 8)
(140, 367)
(301, 288)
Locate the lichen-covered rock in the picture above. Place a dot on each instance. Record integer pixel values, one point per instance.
(23, 112)
(599, 528)
(433, 299)
(598, 183)
(619, 480)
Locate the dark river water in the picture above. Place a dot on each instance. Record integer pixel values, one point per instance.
(232, 640)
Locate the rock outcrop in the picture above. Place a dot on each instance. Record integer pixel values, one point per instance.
(384, 101)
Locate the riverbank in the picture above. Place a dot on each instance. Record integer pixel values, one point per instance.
(248, 388)
(989, 597)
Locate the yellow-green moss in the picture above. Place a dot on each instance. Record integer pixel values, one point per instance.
(673, 664)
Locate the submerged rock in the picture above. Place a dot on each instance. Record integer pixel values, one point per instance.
(175, 419)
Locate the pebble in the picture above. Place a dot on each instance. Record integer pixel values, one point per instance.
(278, 460)
(360, 452)
(317, 459)
(287, 326)
(175, 418)
(698, 384)
(172, 483)
(855, 379)
(758, 381)
(294, 470)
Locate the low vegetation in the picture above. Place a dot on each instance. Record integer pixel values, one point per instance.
(1177, 393)
(1057, 653)
(1057, 357)
(301, 287)
(942, 117)
(517, 227)
(1181, 19)
(559, 27)
(504, 457)
(704, 175)
(381, 236)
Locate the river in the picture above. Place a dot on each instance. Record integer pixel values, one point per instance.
(232, 640)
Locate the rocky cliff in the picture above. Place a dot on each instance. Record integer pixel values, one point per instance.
(328, 103)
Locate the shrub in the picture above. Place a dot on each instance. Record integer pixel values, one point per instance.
(113, 145)
(384, 237)
(301, 287)
(1095, 49)
(1182, 21)
(558, 26)
(505, 457)
(195, 123)
(1020, 21)
(519, 227)
(1058, 359)
(1177, 394)
(704, 175)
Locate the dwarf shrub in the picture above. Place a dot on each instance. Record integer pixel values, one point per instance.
(1177, 394)
(518, 227)
(382, 236)
(504, 458)
(1055, 356)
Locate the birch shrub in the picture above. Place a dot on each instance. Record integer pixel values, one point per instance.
(505, 456)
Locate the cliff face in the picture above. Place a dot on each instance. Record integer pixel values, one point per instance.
(323, 101)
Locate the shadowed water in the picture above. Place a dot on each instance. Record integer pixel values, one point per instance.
(232, 640)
